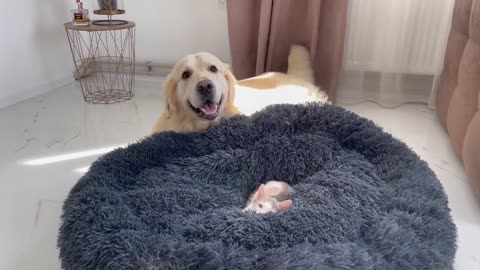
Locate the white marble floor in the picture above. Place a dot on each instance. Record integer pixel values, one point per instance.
(47, 142)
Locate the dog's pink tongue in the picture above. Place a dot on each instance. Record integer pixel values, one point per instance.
(209, 108)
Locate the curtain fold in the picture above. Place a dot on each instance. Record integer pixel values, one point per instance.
(394, 50)
(262, 31)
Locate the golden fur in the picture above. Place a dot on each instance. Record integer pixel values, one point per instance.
(179, 92)
(177, 116)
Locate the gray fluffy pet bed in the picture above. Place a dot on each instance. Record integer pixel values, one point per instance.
(173, 201)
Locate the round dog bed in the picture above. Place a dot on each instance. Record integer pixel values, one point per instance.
(362, 199)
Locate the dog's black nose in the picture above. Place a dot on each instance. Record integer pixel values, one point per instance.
(205, 87)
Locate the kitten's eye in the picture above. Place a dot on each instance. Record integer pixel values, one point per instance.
(213, 69)
(260, 205)
(186, 74)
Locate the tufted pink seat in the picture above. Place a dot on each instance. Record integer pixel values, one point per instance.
(459, 87)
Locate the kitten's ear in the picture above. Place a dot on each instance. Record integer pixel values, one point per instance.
(261, 191)
(285, 204)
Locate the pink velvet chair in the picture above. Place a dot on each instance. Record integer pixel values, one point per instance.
(459, 87)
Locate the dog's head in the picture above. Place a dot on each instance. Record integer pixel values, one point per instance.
(200, 86)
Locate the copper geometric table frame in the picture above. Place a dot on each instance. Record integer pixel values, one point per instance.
(104, 58)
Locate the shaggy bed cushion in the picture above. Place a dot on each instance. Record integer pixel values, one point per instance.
(363, 200)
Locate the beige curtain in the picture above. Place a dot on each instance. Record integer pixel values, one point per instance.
(393, 51)
(262, 31)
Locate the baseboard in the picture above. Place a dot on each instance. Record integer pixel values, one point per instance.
(153, 69)
(36, 91)
(147, 68)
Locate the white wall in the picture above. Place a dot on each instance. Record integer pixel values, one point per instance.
(34, 57)
(34, 51)
(169, 29)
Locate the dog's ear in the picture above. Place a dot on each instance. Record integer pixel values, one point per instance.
(231, 85)
(168, 93)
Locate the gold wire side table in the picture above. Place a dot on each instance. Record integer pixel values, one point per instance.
(104, 59)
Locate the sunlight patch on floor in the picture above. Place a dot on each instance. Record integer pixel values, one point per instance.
(249, 100)
(82, 170)
(70, 156)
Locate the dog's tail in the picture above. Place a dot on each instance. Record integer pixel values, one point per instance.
(299, 64)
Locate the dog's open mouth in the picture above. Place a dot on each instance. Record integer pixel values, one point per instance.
(209, 109)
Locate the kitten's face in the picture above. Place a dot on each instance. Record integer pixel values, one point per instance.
(262, 203)
(270, 205)
(266, 206)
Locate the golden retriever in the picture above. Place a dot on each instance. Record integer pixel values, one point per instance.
(201, 90)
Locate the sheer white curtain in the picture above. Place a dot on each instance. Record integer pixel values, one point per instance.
(394, 50)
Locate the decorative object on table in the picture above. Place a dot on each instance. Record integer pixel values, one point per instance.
(362, 200)
(80, 16)
(109, 8)
(104, 58)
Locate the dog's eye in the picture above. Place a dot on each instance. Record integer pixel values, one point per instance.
(186, 75)
(260, 205)
(213, 69)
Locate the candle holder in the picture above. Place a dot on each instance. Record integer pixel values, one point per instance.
(108, 8)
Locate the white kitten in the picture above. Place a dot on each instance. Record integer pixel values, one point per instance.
(269, 198)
